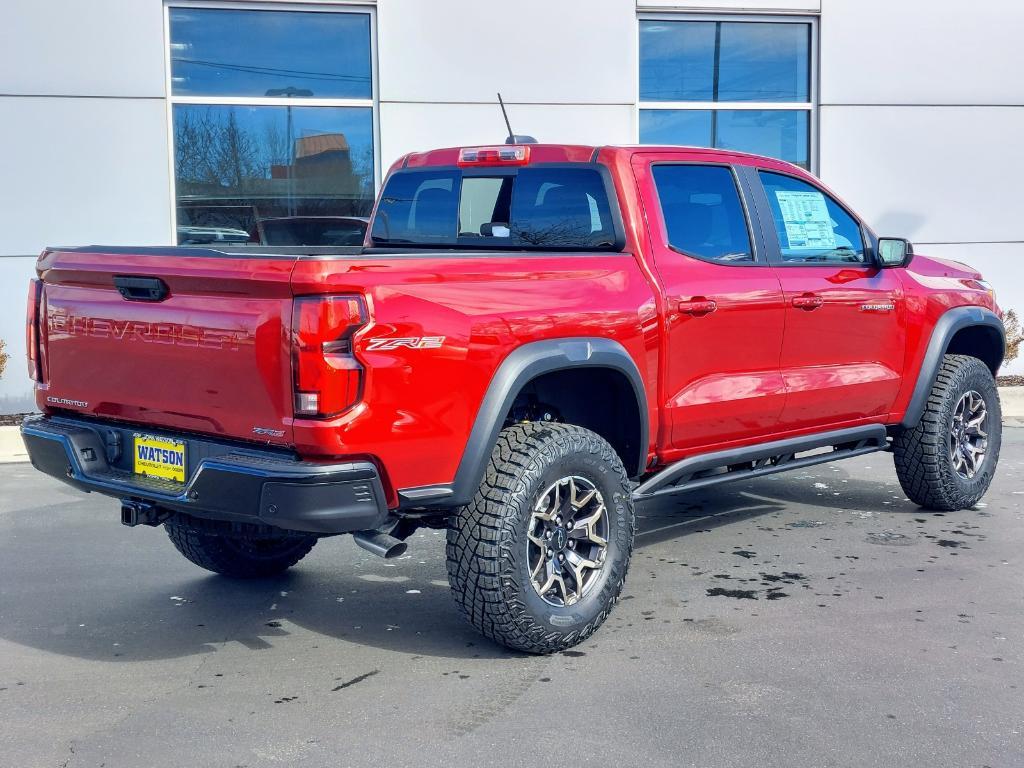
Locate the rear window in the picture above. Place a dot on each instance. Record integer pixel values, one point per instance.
(320, 231)
(536, 207)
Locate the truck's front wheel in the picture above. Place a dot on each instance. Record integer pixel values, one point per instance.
(241, 557)
(948, 460)
(538, 558)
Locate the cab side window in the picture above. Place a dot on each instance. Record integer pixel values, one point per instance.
(812, 227)
(702, 211)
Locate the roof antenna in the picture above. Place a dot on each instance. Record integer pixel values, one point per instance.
(513, 138)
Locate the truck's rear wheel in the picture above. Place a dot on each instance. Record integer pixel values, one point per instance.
(538, 558)
(241, 557)
(948, 460)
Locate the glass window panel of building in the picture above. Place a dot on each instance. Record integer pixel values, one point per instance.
(298, 161)
(749, 84)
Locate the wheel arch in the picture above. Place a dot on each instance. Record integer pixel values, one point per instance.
(547, 364)
(973, 331)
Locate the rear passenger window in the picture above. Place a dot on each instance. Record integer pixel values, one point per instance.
(702, 211)
(812, 227)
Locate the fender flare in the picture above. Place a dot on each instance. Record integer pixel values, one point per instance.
(945, 329)
(522, 365)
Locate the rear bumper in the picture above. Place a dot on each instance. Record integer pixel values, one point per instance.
(224, 481)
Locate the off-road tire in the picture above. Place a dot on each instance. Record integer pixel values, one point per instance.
(923, 463)
(487, 543)
(240, 557)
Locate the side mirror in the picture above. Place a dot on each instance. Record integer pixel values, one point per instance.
(894, 251)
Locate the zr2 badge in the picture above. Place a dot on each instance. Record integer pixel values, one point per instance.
(404, 342)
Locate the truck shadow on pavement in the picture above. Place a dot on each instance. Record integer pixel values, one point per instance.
(145, 603)
(670, 517)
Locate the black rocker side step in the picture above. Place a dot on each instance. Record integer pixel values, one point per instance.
(765, 459)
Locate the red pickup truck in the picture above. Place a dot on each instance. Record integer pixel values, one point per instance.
(531, 339)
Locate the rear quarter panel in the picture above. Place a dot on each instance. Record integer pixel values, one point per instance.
(419, 405)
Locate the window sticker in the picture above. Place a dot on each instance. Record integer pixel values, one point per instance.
(808, 224)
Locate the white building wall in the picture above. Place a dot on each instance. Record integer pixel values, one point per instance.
(97, 173)
(409, 127)
(83, 126)
(741, 6)
(566, 70)
(535, 51)
(71, 48)
(922, 52)
(921, 116)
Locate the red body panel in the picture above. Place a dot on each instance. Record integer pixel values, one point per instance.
(841, 362)
(721, 378)
(931, 288)
(212, 358)
(420, 404)
(215, 357)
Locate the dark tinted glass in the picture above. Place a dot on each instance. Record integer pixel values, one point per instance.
(313, 230)
(812, 227)
(418, 207)
(724, 61)
(235, 166)
(535, 207)
(702, 212)
(220, 52)
(563, 208)
(764, 62)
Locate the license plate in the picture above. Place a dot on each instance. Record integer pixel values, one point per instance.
(160, 457)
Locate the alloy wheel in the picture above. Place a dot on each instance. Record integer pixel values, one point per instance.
(968, 435)
(568, 540)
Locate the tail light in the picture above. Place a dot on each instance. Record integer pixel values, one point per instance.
(502, 155)
(32, 320)
(328, 378)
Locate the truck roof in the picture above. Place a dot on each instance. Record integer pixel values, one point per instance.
(581, 153)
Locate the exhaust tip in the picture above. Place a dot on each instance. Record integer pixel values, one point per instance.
(397, 550)
(380, 544)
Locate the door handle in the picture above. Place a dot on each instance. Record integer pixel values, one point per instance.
(697, 306)
(808, 302)
(135, 288)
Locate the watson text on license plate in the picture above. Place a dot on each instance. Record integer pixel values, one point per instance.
(159, 457)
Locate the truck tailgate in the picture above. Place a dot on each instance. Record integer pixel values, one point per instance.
(211, 356)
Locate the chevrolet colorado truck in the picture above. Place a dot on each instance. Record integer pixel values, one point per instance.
(532, 339)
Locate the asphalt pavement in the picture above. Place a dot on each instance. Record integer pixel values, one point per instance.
(815, 619)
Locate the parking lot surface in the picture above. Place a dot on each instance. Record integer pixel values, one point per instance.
(809, 619)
